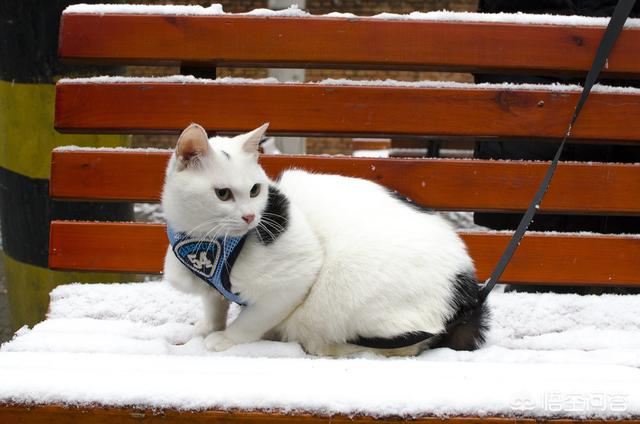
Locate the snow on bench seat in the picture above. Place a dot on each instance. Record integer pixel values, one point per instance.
(130, 345)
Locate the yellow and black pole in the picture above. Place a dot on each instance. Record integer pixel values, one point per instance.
(28, 68)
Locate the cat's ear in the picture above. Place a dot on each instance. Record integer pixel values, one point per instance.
(193, 144)
(252, 139)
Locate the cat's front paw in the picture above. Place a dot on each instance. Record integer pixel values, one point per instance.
(218, 341)
(203, 328)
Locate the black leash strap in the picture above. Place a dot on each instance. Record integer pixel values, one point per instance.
(619, 17)
(620, 14)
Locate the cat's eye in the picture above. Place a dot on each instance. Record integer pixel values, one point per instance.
(255, 190)
(223, 194)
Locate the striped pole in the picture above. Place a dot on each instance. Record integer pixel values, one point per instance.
(28, 69)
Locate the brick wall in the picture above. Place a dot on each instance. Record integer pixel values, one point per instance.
(359, 7)
(372, 7)
(234, 6)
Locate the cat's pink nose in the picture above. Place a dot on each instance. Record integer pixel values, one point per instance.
(248, 218)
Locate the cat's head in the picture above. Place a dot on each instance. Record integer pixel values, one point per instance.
(215, 187)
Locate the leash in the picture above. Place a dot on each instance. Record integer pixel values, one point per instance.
(616, 23)
(619, 17)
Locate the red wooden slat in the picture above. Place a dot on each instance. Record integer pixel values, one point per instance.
(435, 183)
(330, 42)
(108, 175)
(552, 259)
(41, 414)
(331, 109)
(107, 246)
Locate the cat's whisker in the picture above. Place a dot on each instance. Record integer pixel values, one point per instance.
(273, 223)
(226, 264)
(193, 230)
(206, 222)
(200, 242)
(269, 219)
(271, 227)
(264, 227)
(209, 239)
(259, 236)
(276, 215)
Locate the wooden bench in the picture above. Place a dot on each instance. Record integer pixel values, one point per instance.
(200, 43)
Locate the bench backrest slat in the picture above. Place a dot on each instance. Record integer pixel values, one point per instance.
(335, 109)
(330, 42)
(341, 109)
(447, 184)
(134, 247)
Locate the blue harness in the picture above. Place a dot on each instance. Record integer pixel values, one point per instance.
(209, 259)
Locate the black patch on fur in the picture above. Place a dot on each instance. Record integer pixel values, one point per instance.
(467, 329)
(275, 217)
(227, 155)
(409, 202)
(403, 340)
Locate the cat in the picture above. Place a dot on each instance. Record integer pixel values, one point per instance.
(337, 264)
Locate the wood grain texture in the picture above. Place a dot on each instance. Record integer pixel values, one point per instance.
(541, 258)
(108, 246)
(330, 42)
(41, 414)
(347, 110)
(108, 175)
(446, 184)
(46, 414)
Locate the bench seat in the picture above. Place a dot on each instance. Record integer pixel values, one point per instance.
(128, 347)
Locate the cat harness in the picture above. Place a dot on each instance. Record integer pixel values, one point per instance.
(211, 260)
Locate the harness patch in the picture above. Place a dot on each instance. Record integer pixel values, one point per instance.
(202, 257)
(211, 260)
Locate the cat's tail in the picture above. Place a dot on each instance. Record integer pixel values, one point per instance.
(467, 329)
(469, 333)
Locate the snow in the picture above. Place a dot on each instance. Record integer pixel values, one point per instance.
(555, 87)
(294, 11)
(461, 221)
(547, 355)
(291, 11)
(506, 18)
(144, 9)
(188, 79)
(72, 148)
(379, 153)
(178, 79)
(341, 15)
(523, 162)
(590, 234)
(148, 212)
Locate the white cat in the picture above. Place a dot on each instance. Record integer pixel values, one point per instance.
(337, 264)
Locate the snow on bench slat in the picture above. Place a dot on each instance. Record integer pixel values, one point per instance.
(73, 148)
(294, 11)
(130, 345)
(189, 79)
(143, 9)
(409, 158)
